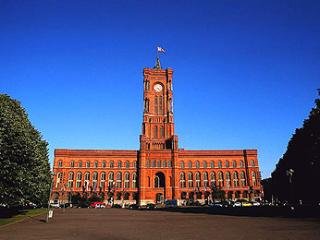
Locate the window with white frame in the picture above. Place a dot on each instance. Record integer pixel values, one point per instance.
(182, 180)
(119, 180)
(127, 180)
(79, 179)
(134, 180)
(235, 179)
(190, 180)
(205, 179)
(198, 180)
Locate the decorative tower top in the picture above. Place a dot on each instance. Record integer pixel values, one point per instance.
(158, 64)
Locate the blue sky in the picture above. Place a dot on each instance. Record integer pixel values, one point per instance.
(245, 72)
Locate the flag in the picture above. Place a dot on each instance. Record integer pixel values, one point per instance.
(160, 49)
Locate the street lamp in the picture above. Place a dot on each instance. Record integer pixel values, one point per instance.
(49, 211)
(290, 173)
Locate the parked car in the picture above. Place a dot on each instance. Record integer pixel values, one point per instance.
(236, 204)
(98, 205)
(116, 206)
(55, 205)
(171, 203)
(150, 206)
(133, 206)
(254, 203)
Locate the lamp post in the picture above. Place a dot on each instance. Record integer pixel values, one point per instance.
(49, 211)
(290, 173)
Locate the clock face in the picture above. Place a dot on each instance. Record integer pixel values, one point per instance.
(157, 87)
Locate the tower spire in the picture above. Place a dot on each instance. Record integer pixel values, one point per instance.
(158, 64)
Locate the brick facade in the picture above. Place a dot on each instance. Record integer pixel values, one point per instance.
(159, 170)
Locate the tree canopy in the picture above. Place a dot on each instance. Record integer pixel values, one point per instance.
(295, 176)
(24, 165)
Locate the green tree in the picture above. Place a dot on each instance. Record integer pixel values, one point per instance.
(24, 166)
(295, 176)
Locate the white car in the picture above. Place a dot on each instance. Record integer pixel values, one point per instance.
(237, 204)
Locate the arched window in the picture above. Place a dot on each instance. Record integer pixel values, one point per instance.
(182, 180)
(87, 180)
(189, 164)
(212, 179)
(87, 176)
(135, 164)
(58, 180)
(162, 131)
(119, 164)
(164, 163)
(155, 131)
(95, 176)
(228, 179)
(149, 182)
(169, 163)
(204, 164)
(126, 180)
(227, 164)
(190, 180)
(119, 180)
(95, 164)
(148, 163)
(71, 176)
(220, 179)
(243, 179)
(127, 164)
(198, 183)
(182, 164)
(79, 178)
(157, 182)
(134, 180)
(197, 164)
(241, 163)
(80, 164)
(252, 163)
(205, 179)
(219, 164)
(70, 179)
(111, 164)
(104, 164)
(60, 163)
(234, 163)
(72, 164)
(254, 179)
(102, 180)
(87, 164)
(110, 179)
(235, 179)
(153, 163)
(211, 164)
(158, 163)
(94, 181)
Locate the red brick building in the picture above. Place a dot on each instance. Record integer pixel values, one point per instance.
(159, 170)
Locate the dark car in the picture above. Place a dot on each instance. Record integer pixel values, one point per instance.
(150, 206)
(133, 206)
(116, 206)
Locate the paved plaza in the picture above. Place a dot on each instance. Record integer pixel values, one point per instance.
(116, 224)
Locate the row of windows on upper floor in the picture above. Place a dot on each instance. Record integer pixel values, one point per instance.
(88, 164)
(235, 175)
(196, 164)
(163, 163)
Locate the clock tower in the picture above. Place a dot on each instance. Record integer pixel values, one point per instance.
(158, 142)
(157, 124)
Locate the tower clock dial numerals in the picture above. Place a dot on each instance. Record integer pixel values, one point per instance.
(157, 87)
